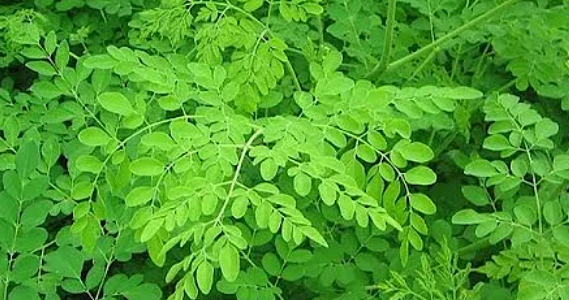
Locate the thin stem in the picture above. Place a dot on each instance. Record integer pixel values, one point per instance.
(8, 145)
(73, 91)
(236, 175)
(107, 268)
(320, 30)
(254, 19)
(423, 65)
(477, 72)
(449, 36)
(231, 6)
(123, 143)
(388, 41)
(12, 250)
(536, 193)
(293, 74)
(455, 64)
(504, 87)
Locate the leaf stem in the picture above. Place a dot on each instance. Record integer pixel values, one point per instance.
(126, 140)
(449, 36)
(388, 41)
(256, 20)
(423, 65)
(293, 75)
(236, 175)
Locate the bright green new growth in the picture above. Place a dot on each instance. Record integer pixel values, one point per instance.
(296, 149)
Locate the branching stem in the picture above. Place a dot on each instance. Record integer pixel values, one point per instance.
(388, 41)
(236, 176)
(449, 36)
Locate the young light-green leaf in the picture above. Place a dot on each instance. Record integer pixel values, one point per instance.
(314, 235)
(421, 175)
(416, 152)
(422, 203)
(27, 159)
(93, 136)
(147, 166)
(480, 168)
(139, 196)
(204, 276)
(229, 262)
(116, 103)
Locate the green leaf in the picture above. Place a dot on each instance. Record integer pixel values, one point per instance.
(463, 92)
(139, 196)
(160, 140)
(422, 203)
(116, 103)
(27, 159)
(35, 214)
(334, 85)
(332, 61)
(561, 235)
(35, 188)
(93, 136)
(476, 195)
(269, 169)
(22, 292)
(303, 99)
(480, 168)
(89, 163)
(204, 276)
(41, 67)
(170, 103)
(24, 267)
(147, 166)
(420, 175)
(416, 152)
(313, 8)
(145, 291)
(253, 5)
(327, 192)
(62, 55)
(377, 140)
(553, 213)
(151, 229)
(302, 184)
(271, 264)
(81, 210)
(314, 235)
(366, 153)
(239, 207)
(347, 207)
(525, 214)
(336, 137)
(65, 261)
(102, 61)
(415, 240)
(468, 217)
(546, 128)
(497, 142)
(501, 232)
(82, 190)
(50, 42)
(229, 262)
(46, 90)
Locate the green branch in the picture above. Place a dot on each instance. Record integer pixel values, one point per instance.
(388, 41)
(449, 36)
(246, 148)
(228, 5)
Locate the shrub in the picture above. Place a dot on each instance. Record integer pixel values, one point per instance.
(294, 149)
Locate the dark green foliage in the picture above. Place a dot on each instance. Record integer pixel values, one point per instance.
(295, 149)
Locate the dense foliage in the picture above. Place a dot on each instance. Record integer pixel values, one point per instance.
(284, 149)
